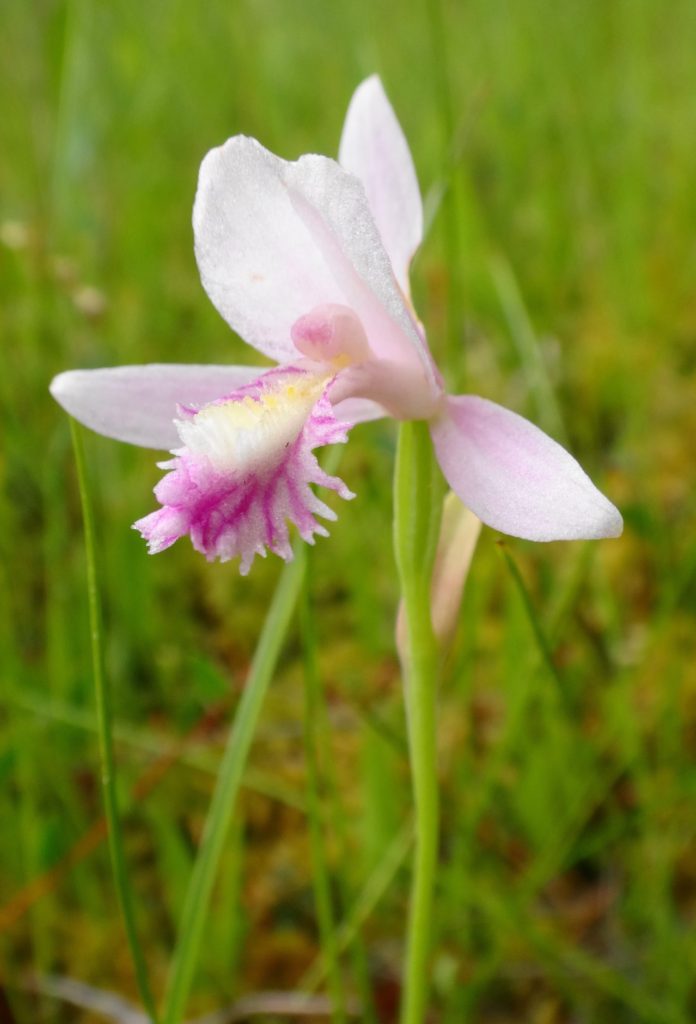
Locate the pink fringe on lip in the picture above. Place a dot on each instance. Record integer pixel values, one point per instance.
(242, 515)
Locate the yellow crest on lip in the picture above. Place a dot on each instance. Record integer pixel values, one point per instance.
(250, 433)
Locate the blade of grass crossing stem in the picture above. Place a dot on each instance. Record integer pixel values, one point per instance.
(227, 787)
(106, 743)
(533, 619)
(372, 892)
(321, 880)
(451, 198)
(547, 410)
(337, 825)
(335, 822)
(229, 778)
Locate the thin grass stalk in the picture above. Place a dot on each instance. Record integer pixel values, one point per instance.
(197, 900)
(376, 885)
(546, 406)
(336, 820)
(436, 17)
(321, 874)
(275, 627)
(105, 730)
(535, 624)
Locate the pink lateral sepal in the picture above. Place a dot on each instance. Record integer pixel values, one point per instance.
(238, 503)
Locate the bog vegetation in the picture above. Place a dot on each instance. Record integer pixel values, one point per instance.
(554, 144)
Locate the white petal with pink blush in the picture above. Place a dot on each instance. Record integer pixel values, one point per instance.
(516, 478)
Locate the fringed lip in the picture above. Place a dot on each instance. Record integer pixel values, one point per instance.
(246, 469)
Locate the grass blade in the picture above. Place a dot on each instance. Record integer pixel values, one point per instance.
(322, 882)
(533, 619)
(229, 781)
(106, 741)
(547, 410)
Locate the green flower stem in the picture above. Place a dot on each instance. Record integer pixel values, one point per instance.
(322, 882)
(105, 730)
(417, 510)
(229, 779)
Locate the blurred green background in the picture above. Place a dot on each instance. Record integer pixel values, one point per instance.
(555, 148)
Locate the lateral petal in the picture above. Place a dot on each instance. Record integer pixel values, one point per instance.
(138, 404)
(515, 478)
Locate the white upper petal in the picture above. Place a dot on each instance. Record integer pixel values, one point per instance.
(138, 404)
(276, 239)
(515, 478)
(374, 148)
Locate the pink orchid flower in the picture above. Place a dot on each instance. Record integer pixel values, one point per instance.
(308, 261)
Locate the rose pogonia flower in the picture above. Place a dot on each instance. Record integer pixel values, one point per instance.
(308, 261)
